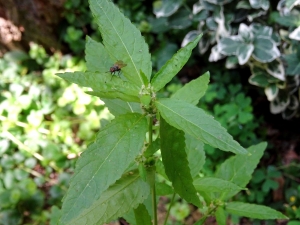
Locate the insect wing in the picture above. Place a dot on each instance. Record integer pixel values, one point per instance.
(120, 64)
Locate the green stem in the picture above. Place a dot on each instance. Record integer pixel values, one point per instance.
(169, 209)
(150, 129)
(154, 206)
(153, 191)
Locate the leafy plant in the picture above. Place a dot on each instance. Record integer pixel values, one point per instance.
(117, 172)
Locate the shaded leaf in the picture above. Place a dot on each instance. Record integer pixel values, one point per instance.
(175, 162)
(211, 184)
(116, 146)
(122, 40)
(194, 90)
(173, 66)
(293, 64)
(220, 216)
(194, 121)
(142, 216)
(195, 154)
(253, 211)
(238, 169)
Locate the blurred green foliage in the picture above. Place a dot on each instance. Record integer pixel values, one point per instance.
(44, 124)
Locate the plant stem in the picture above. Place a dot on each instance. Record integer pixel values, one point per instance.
(150, 129)
(169, 209)
(154, 206)
(153, 191)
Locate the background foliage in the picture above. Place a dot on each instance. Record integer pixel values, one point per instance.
(46, 122)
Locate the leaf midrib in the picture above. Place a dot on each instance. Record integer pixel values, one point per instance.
(198, 127)
(116, 30)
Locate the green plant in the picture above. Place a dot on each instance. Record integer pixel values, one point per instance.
(250, 33)
(117, 172)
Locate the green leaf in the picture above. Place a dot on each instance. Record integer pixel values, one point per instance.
(116, 146)
(55, 215)
(220, 216)
(194, 90)
(117, 200)
(118, 107)
(97, 57)
(114, 95)
(101, 82)
(211, 184)
(142, 216)
(122, 40)
(293, 64)
(238, 169)
(194, 121)
(253, 211)
(175, 161)
(259, 78)
(195, 154)
(265, 49)
(173, 66)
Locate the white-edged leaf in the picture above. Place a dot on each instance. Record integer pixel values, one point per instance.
(115, 147)
(189, 37)
(215, 54)
(122, 40)
(165, 8)
(244, 52)
(271, 92)
(194, 90)
(118, 199)
(194, 121)
(279, 105)
(295, 34)
(276, 69)
(265, 50)
(229, 45)
(253, 211)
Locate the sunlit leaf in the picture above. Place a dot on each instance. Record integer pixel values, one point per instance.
(122, 40)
